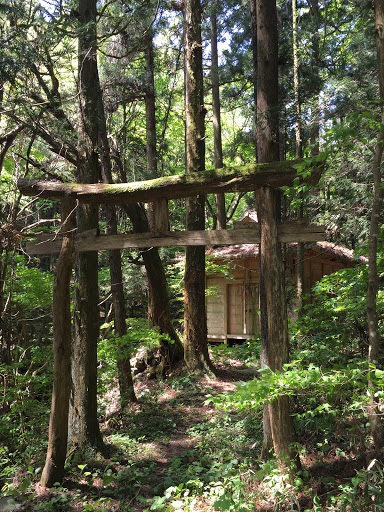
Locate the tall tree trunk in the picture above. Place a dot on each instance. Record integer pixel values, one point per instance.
(267, 432)
(150, 110)
(62, 341)
(299, 151)
(195, 320)
(374, 413)
(316, 80)
(217, 142)
(127, 393)
(84, 431)
(296, 81)
(252, 6)
(275, 344)
(101, 149)
(158, 298)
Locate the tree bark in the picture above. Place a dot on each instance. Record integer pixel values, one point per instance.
(298, 137)
(267, 150)
(127, 392)
(217, 142)
(62, 340)
(252, 10)
(195, 320)
(84, 428)
(274, 322)
(374, 413)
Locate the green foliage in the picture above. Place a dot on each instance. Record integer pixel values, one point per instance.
(364, 492)
(211, 471)
(298, 193)
(328, 386)
(334, 322)
(345, 197)
(175, 280)
(32, 287)
(223, 268)
(248, 351)
(150, 423)
(25, 410)
(113, 348)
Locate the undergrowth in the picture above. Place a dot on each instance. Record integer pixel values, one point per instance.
(193, 444)
(167, 457)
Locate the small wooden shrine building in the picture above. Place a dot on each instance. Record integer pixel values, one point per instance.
(233, 291)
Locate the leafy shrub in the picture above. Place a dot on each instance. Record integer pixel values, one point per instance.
(333, 327)
(113, 348)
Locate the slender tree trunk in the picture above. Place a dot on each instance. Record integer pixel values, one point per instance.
(276, 350)
(218, 148)
(296, 81)
(159, 309)
(195, 320)
(150, 110)
(252, 9)
(298, 137)
(316, 80)
(62, 340)
(1, 96)
(158, 298)
(127, 393)
(274, 324)
(374, 413)
(84, 431)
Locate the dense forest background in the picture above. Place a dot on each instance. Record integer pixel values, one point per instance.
(179, 437)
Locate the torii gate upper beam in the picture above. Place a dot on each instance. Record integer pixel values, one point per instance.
(230, 179)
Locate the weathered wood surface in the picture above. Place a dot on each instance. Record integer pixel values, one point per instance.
(160, 215)
(90, 241)
(230, 179)
(62, 343)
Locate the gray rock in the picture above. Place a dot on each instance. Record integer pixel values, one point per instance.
(7, 505)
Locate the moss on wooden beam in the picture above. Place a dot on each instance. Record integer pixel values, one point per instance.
(243, 178)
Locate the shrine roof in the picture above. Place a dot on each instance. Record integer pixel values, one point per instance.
(326, 249)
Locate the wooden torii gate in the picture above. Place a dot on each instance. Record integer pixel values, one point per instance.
(158, 191)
